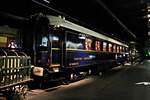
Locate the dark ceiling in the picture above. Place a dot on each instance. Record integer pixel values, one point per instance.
(123, 19)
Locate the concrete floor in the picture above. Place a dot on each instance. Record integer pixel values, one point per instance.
(130, 82)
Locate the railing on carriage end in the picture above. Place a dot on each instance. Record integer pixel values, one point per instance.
(15, 68)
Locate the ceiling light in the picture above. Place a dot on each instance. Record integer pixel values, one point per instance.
(46, 1)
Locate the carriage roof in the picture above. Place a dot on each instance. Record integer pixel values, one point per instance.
(59, 21)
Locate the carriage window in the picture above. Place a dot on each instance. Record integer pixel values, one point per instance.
(55, 42)
(122, 49)
(44, 41)
(97, 45)
(104, 46)
(114, 48)
(9, 37)
(12, 44)
(126, 49)
(118, 49)
(88, 44)
(110, 47)
(75, 41)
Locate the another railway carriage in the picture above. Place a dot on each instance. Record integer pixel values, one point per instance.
(15, 65)
(64, 50)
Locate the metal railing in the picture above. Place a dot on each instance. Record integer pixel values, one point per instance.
(15, 68)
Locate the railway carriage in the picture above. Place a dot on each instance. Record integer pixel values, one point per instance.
(15, 65)
(62, 50)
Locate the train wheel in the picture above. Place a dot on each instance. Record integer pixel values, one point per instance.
(89, 72)
(65, 82)
(67, 78)
(72, 76)
(100, 73)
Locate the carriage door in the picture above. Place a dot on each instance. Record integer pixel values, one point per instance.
(57, 53)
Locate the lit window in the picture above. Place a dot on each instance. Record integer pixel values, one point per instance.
(110, 47)
(117, 48)
(120, 49)
(44, 41)
(88, 44)
(97, 45)
(104, 46)
(114, 48)
(12, 44)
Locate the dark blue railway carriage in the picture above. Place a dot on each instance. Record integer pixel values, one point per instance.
(64, 50)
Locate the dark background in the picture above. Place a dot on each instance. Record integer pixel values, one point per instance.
(123, 19)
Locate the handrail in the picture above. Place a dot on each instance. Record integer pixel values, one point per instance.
(4, 52)
(13, 52)
(23, 54)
